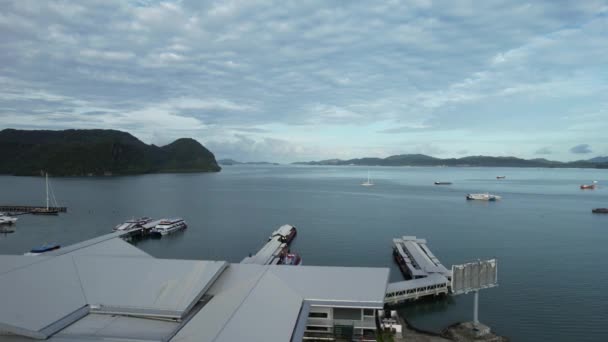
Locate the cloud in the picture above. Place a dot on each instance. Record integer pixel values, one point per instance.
(352, 75)
(543, 151)
(581, 149)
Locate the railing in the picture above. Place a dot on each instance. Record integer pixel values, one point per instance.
(367, 322)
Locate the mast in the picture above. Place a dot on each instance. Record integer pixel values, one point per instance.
(47, 190)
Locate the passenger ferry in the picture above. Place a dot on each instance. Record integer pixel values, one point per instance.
(483, 197)
(132, 224)
(168, 226)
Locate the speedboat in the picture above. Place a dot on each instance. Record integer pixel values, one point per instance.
(501, 177)
(45, 248)
(600, 211)
(587, 186)
(483, 197)
(292, 259)
(132, 224)
(168, 226)
(5, 219)
(443, 183)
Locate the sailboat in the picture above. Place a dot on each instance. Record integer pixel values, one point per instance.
(48, 210)
(368, 182)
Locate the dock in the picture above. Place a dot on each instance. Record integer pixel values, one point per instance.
(26, 209)
(275, 249)
(427, 276)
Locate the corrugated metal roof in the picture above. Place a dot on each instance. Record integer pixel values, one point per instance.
(37, 296)
(112, 247)
(145, 286)
(95, 326)
(344, 286)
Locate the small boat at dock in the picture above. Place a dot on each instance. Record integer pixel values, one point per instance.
(169, 226)
(5, 219)
(483, 197)
(600, 211)
(46, 210)
(443, 183)
(132, 224)
(47, 247)
(291, 259)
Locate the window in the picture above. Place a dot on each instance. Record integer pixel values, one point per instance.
(318, 314)
(368, 312)
(351, 314)
(317, 328)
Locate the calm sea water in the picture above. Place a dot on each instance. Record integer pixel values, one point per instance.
(553, 253)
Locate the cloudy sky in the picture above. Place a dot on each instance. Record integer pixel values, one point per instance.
(303, 80)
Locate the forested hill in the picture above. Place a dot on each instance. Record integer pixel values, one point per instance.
(97, 152)
(424, 160)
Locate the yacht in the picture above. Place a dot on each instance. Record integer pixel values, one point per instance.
(5, 219)
(168, 226)
(132, 224)
(368, 182)
(483, 197)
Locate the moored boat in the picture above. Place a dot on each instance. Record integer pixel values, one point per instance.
(501, 177)
(47, 247)
(291, 259)
(5, 219)
(443, 183)
(600, 211)
(132, 224)
(587, 186)
(483, 197)
(285, 232)
(169, 226)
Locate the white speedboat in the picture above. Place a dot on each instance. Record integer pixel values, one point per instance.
(132, 224)
(168, 226)
(483, 197)
(5, 219)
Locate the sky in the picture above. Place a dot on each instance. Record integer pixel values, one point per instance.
(308, 80)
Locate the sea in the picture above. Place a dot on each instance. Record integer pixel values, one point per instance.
(552, 251)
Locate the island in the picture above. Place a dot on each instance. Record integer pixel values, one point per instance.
(229, 161)
(424, 160)
(97, 152)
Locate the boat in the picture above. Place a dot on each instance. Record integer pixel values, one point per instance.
(48, 210)
(291, 259)
(483, 197)
(132, 224)
(285, 232)
(501, 177)
(587, 186)
(47, 247)
(368, 182)
(168, 226)
(443, 183)
(5, 219)
(600, 211)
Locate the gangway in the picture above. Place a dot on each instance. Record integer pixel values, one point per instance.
(407, 290)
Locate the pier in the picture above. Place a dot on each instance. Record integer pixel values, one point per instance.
(428, 277)
(25, 209)
(275, 249)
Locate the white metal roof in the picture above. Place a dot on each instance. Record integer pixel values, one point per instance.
(145, 286)
(36, 296)
(103, 327)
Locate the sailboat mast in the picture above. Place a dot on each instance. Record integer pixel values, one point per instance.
(47, 190)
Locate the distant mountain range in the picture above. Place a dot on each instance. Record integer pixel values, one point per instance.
(97, 152)
(234, 162)
(424, 160)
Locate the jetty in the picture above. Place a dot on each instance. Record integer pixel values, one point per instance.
(427, 276)
(275, 250)
(26, 209)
